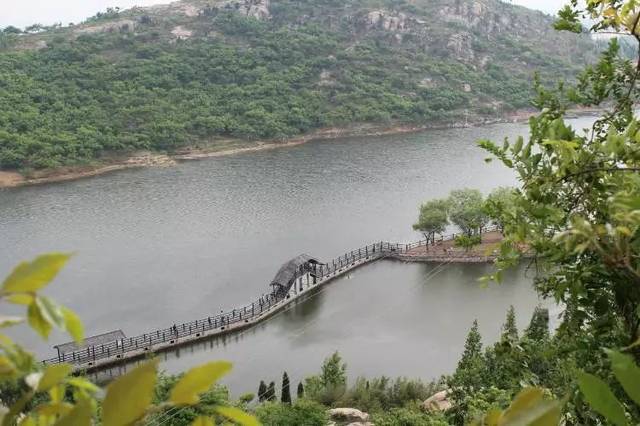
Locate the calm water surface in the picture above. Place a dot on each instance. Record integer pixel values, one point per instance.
(162, 245)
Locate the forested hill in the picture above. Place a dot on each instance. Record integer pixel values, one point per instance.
(167, 76)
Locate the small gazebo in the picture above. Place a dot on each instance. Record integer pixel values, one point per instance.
(296, 268)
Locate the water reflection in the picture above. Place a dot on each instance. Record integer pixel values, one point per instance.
(388, 318)
(160, 246)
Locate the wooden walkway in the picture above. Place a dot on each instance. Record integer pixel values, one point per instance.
(96, 357)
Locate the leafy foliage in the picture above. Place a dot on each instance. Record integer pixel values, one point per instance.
(48, 395)
(467, 210)
(331, 384)
(433, 219)
(302, 412)
(122, 82)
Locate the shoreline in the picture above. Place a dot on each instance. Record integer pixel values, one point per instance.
(13, 179)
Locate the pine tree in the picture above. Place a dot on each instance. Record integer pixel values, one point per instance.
(271, 392)
(510, 329)
(538, 329)
(300, 390)
(262, 391)
(471, 371)
(285, 396)
(472, 348)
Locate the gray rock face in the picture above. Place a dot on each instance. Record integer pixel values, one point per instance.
(469, 14)
(438, 401)
(386, 20)
(258, 9)
(349, 415)
(460, 45)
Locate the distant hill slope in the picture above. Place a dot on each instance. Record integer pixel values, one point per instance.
(167, 76)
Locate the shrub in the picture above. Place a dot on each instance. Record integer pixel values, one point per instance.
(302, 413)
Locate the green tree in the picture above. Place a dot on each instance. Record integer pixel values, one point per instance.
(469, 376)
(271, 392)
(467, 210)
(500, 202)
(467, 242)
(285, 396)
(510, 329)
(578, 213)
(472, 348)
(302, 412)
(330, 385)
(262, 391)
(433, 219)
(334, 371)
(300, 392)
(538, 329)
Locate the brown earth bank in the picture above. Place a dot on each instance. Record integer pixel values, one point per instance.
(446, 251)
(222, 147)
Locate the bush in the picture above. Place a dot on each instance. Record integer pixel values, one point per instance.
(408, 417)
(302, 413)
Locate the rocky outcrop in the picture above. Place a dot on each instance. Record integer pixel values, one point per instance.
(181, 33)
(460, 45)
(356, 417)
(258, 9)
(438, 402)
(122, 25)
(326, 79)
(466, 13)
(150, 160)
(386, 20)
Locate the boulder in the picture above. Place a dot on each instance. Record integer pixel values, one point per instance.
(348, 415)
(438, 402)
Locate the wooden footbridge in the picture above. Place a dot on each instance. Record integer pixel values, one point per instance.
(294, 279)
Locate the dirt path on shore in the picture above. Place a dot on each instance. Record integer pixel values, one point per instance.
(446, 250)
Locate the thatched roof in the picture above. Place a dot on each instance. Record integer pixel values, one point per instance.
(296, 267)
(100, 339)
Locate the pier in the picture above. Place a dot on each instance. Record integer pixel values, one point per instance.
(294, 279)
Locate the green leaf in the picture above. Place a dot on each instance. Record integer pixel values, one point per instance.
(50, 311)
(73, 324)
(80, 383)
(43, 314)
(238, 416)
(6, 321)
(37, 321)
(196, 381)
(21, 299)
(54, 409)
(7, 368)
(627, 373)
(80, 415)
(203, 421)
(601, 399)
(129, 396)
(53, 375)
(32, 276)
(27, 421)
(530, 409)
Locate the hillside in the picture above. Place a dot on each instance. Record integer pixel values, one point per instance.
(195, 71)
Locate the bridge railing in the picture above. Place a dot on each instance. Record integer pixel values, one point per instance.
(173, 334)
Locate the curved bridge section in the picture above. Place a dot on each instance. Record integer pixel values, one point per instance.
(293, 280)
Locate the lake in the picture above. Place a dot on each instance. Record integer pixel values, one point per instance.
(158, 246)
